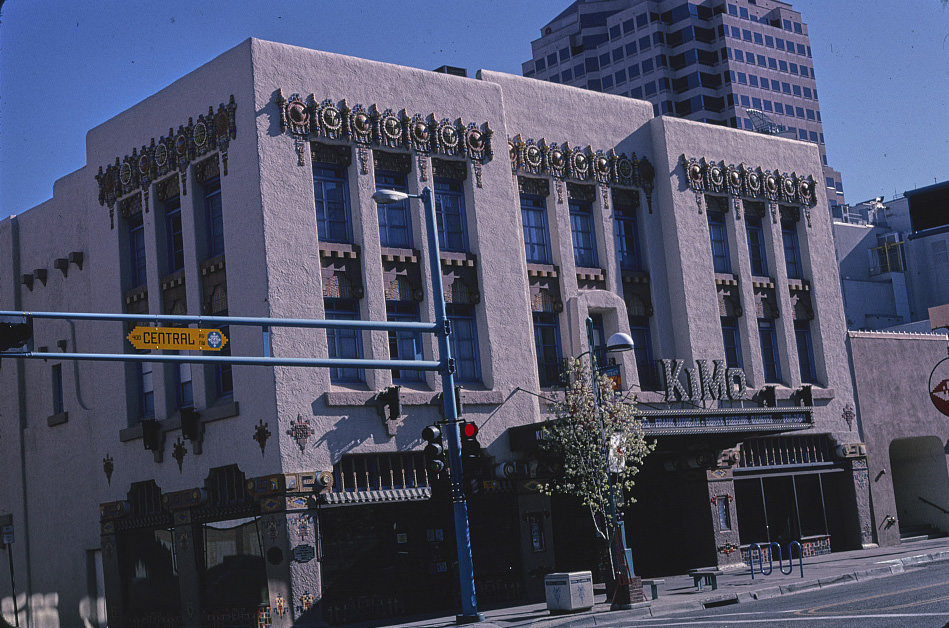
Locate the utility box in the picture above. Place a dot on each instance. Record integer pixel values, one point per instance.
(569, 591)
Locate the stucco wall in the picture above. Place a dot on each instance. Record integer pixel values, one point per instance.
(892, 372)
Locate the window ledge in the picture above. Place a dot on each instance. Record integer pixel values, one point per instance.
(220, 410)
(541, 270)
(762, 282)
(212, 265)
(138, 293)
(450, 258)
(390, 254)
(635, 276)
(590, 274)
(339, 249)
(57, 419)
(176, 278)
(726, 279)
(337, 398)
(799, 284)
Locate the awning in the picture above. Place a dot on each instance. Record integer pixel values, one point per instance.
(383, 496)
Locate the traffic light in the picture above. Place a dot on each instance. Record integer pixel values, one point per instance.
(470, 448)
(15, 332)
(436, 461)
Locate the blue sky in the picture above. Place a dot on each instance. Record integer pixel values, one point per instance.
(68, 65)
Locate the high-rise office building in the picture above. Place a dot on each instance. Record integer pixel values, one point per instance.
(706, 60)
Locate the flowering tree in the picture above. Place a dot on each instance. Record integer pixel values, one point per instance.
(596, 434)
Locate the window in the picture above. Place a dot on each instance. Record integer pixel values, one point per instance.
(792, 249)
(756, 248)
(146, 390)
(627, 231)
(59, 403)
(547, 345)
(642, 349)
(464, 342)
(331, 190)
(214, 218)
(343, 343)
(407, 344)
(805, 351)
(719, 239)
(536, 237)
(584, 238)
(732, 342)
(450, 211)
(174, 236)
(617, 55)
(136, 251)
(769, 350)
(184, 393)
(394, 219)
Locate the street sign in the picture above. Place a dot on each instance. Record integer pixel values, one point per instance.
(7, 535)
(180, 338)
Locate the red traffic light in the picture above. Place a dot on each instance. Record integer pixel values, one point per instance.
(469, 430)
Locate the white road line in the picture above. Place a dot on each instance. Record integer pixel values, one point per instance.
(709, 621)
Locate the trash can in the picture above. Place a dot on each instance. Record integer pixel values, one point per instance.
(569, 591)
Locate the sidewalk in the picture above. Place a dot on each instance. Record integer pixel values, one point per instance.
(678, 594)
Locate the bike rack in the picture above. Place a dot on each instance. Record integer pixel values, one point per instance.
(774, 546)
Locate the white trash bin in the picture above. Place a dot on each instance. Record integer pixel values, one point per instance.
(569, 591)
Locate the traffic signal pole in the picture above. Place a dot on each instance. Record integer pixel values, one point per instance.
(452, 437)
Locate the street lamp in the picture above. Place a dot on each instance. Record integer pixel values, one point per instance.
(622, 560)
(469, 603)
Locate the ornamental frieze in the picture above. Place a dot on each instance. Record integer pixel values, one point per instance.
(744, 181)
(307, 119)
(563, 161)
(171, 153)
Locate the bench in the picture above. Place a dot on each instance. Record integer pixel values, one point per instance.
(705, 575)
(653, 588)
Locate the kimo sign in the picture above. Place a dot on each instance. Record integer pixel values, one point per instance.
(703, 382)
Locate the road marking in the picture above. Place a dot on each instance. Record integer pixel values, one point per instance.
(708, 621)
(821, 610)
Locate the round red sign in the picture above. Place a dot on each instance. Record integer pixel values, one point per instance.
(939, 386)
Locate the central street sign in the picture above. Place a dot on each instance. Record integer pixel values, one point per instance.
(180, 338)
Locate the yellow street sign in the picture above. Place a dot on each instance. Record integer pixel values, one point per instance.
(180, 338)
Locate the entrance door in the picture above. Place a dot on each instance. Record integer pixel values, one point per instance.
(920, 482)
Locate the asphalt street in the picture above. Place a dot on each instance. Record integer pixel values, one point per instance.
(918, 598)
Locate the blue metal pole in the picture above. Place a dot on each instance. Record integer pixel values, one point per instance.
(421, 365)
(469, 602)
(214, 321)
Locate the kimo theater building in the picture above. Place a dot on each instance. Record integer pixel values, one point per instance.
(249, 496)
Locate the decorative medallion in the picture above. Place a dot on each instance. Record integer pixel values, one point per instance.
(279, 606)
(178, 453)
(849, 414)
(108, 466)
(306, 601)
(744, 181)
(261, 434)
(727, 548)
(556, 159)
(360, 124)
(270, 526)
(301, 524)
(601, 167)
(300, 431)
(391, 133)
(175, 151)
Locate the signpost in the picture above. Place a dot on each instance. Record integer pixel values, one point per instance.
(6, 536)
(177, 338)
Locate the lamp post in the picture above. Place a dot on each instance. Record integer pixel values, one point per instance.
(621, 556)
(469, 603)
